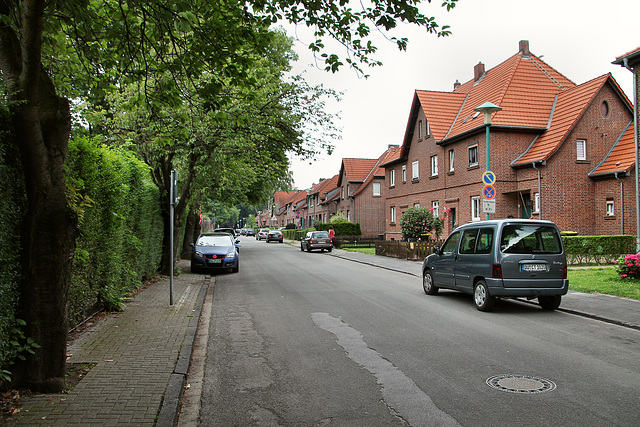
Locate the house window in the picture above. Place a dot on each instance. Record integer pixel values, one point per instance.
(392, 177)
(435, 207)
(581, 149)
(416, 205)
(348, 190)
(419, 130)
(393, 214)
(404, 173)
(428, 130)
(434, 165)
(415, 171)
(348, 215)
(475, 208)
(536, 202)
(342, 192)
(451, 169)
(473, 155)
(610, 207)
(376, 188)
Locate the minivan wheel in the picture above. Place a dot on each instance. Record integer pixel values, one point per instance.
(550, 302)
(427, 284)
(481, 297)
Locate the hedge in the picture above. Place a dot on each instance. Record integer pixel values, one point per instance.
(342, 228)
(12, 205)
(598, 249)
(121, 228)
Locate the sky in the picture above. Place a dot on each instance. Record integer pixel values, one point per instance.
(579, 38)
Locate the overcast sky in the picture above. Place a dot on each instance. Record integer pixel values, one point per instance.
(579, 38)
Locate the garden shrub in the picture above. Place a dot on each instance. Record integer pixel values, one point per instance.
(342, 228)
(597, 249)
(629, 266)
(418, 223)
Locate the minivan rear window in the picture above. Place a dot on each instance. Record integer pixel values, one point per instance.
(530, 239)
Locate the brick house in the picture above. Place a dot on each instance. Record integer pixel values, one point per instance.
(559, 151)
(362, 191)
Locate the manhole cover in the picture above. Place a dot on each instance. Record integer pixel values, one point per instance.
(520, 384)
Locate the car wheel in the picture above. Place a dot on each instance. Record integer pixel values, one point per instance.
(427, 284)
(301, 247)
(481, 297)
(550, 302)
(308, 248)
(329, 250)
(194, 269)
(236, 268)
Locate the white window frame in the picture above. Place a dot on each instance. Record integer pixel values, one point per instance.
(376, 189)
(415, 171)
(475, 148)
(428, 128)
(404, 173)
(416, 205)
(451, 159)
(475, 208)
(435, 205)
(581, 149)
(536, 202)
(419, 129)
(392, 214)
(610, 208)
(434, 165)
(342, 192)
(392, 178)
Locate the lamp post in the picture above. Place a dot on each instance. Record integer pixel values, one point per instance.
(488, 109)
(306, 219)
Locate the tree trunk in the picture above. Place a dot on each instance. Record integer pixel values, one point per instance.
(191, 231)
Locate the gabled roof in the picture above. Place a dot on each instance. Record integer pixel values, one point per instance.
(355, 170)
(621, 158)
(378, 171)
(324, 186)
(570, 106)
(281, 198)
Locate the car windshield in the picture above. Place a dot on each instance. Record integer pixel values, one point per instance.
(214, 241)
(319, 234)
(530, 239)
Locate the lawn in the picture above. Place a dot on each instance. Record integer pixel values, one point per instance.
(603, 280)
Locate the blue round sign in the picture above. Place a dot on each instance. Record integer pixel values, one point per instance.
(489, 192)
(488, 178)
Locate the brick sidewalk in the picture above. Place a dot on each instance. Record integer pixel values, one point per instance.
(136, 354)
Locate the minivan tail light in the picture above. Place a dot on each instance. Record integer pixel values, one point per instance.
(564, 272)
(497, 271)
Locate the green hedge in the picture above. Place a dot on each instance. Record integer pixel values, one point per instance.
(598, 249)
(12, 205)
(120, 240)
(342, 228)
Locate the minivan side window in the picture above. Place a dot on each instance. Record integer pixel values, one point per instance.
(468, 243)
(528, 239)
(485, 241)
(450, 245)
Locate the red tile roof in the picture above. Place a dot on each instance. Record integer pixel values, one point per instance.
(569, 107)
(356, 170)
(621, 158)
(378, 171)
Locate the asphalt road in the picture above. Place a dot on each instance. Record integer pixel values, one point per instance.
(308, 339)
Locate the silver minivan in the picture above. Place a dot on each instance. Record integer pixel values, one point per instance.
(500, 259)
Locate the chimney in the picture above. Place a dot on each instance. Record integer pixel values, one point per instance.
(478, 71)
(523, 47)
(456, 85)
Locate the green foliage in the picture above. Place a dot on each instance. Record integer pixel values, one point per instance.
(338, 218)
(629, 266)
(603, 280)
(12, 206)
(342, 228)
(597, 249)
(121, 229)
(418, 223)
(20, 344)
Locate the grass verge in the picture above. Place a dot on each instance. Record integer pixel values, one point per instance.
(603, 280)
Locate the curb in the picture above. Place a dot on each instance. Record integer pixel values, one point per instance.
(168, 415)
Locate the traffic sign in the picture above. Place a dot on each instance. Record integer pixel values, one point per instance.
(488, 178)
(488, 206)
(489, 192)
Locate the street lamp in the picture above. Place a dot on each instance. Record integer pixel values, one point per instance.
(488, 109)
(306, 219)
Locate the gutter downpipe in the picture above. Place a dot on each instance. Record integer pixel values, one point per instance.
(533, 164)
(625, 62)
(621, 204)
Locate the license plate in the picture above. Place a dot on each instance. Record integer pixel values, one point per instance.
(215, 261)
(534, 267)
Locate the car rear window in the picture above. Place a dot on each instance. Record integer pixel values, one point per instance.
(530, 239)
(321, 234)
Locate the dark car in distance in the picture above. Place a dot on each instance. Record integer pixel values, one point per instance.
(215, 251)
(316, 240)
(274, 236)
(250, 232)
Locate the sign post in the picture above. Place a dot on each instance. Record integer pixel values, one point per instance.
(173, 196)
(489, 193)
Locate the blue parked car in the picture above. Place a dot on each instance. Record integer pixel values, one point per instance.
(215, 251)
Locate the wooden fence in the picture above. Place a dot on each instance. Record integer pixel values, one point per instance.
(416, 251)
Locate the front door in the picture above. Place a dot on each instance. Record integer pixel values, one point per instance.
(526, 205)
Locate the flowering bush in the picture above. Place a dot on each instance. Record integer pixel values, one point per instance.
(417, 223)
(629, 266)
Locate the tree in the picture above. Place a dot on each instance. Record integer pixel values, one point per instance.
(53, 51)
